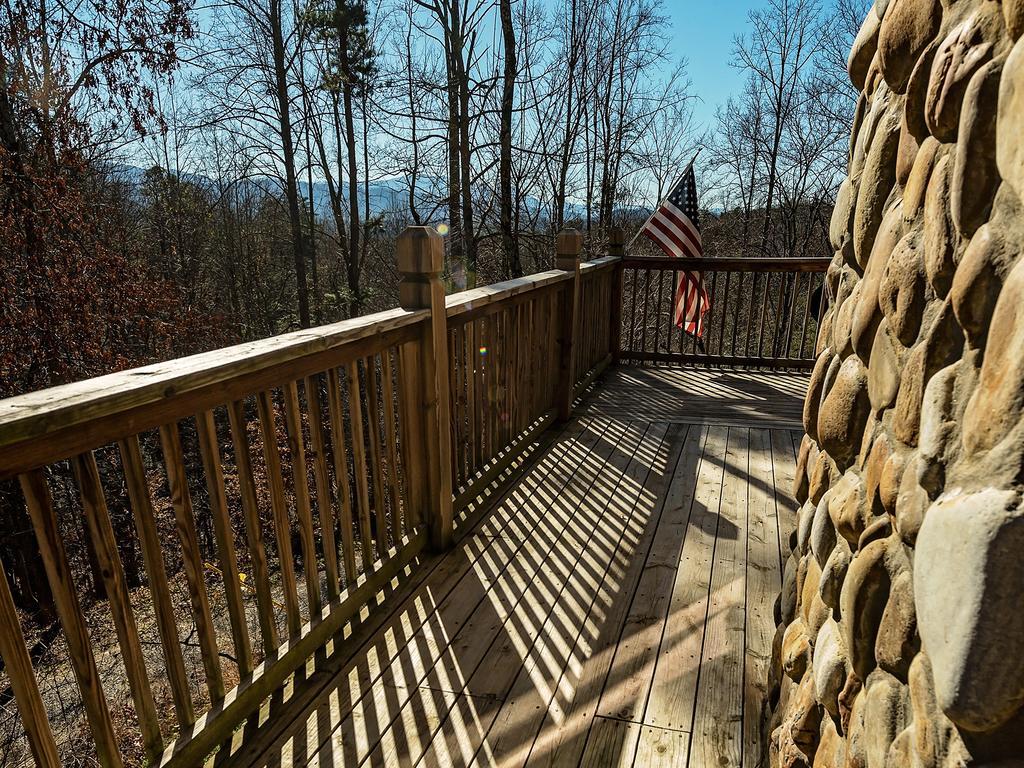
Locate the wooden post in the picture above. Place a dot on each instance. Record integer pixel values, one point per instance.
(568, 245)
(420, 262)
(616, 248)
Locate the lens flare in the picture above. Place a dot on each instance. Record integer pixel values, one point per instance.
(442, 228)
(483, 350)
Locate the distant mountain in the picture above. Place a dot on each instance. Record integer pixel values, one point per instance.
(385, 195)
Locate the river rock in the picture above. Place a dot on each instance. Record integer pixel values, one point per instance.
(834, 572)
(863, 50)
(814, 391)
(938, 421)
(848, 507)
(829, 666)
(969, 639)
(998, 402)
(877, 181)
(912, 502)
(979, 280)
(887, 710)
(863, 599)
(901, 293)
(940, 239)
(823, 474)
(962, 52)
(1013, 13)
(884, 372)
(897, 642)
(975, 176)
(796, 649)
(916, 182)
(844, 412)
(1010, 121)
(907, 29)
(823, 533)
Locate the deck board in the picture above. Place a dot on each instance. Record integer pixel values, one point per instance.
(614, 607)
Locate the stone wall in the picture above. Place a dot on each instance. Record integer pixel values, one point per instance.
(901, 617)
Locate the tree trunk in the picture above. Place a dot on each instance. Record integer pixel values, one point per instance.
(508, 234)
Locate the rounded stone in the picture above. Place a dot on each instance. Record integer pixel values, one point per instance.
(970, 639)
(841, 328)
(787, 605)
(848, 507)
(917, 182)
(804, 521)
(912, 503)
(876, 182)
(936, 741)
(884, 371)
(823, 533)
(940, 237)
(965, 48)
(841, 223)
(1010, 120)
(901, 292)
(829, 666)
(863, 50)
(800, 488)
(861, 603)
(834, 572)
(831, 749)
(867, 313)
(907, 29)
(938, 416)
(979, 280)
(975, 176)
(814, 391)
(796, 649)
(889, 483)
(897, 642)
(823, 474)
(844, 412)
(998, 401)
(1013, 13)
(887, 710)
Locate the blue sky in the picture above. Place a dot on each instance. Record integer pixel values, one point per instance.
(703, 32)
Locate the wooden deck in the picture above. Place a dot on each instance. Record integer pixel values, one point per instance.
(614, 607)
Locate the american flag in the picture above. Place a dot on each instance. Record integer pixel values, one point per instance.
(674, 228)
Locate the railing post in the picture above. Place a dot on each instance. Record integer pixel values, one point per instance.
(616, 248)
(420, 262)
(568, 246)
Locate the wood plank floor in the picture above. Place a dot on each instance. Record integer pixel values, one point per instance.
(613, 608)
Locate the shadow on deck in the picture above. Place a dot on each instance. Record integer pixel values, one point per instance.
(612, 607)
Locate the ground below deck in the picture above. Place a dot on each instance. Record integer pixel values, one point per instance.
(613, 608)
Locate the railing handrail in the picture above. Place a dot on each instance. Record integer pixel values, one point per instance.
(40, 415)
(475, 298)
(731, 263)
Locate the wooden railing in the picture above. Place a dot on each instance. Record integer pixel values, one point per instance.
(765, 312)
(349, 450)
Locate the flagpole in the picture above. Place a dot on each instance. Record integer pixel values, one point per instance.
(678, 178)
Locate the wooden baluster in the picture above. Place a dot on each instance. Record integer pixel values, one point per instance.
(486, 377)
(282, 524)
(420, 262)
(303, 507)
(657, 315)
(391, 440)
(616, 248)
(209, 449)
(456, 363)
(764, 314)
(410, 382)
(569, 244)
(750, 314)
(631, 323)
(726, 299)
(472, 397)
(777, 335)
(740, 304)
(807, 311)
(321, 477)
(676, 277)
(101, 533)
(792, 313)
(494, 404)
(253, 527)
(62, 585)
(18, 666)
(376, 453)
(355, 419)
(643, 306)
(192, 558)
(344, 490)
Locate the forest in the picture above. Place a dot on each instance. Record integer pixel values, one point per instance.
(178, 177)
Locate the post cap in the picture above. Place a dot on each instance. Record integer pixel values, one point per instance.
(420, 251)
(569, 242)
